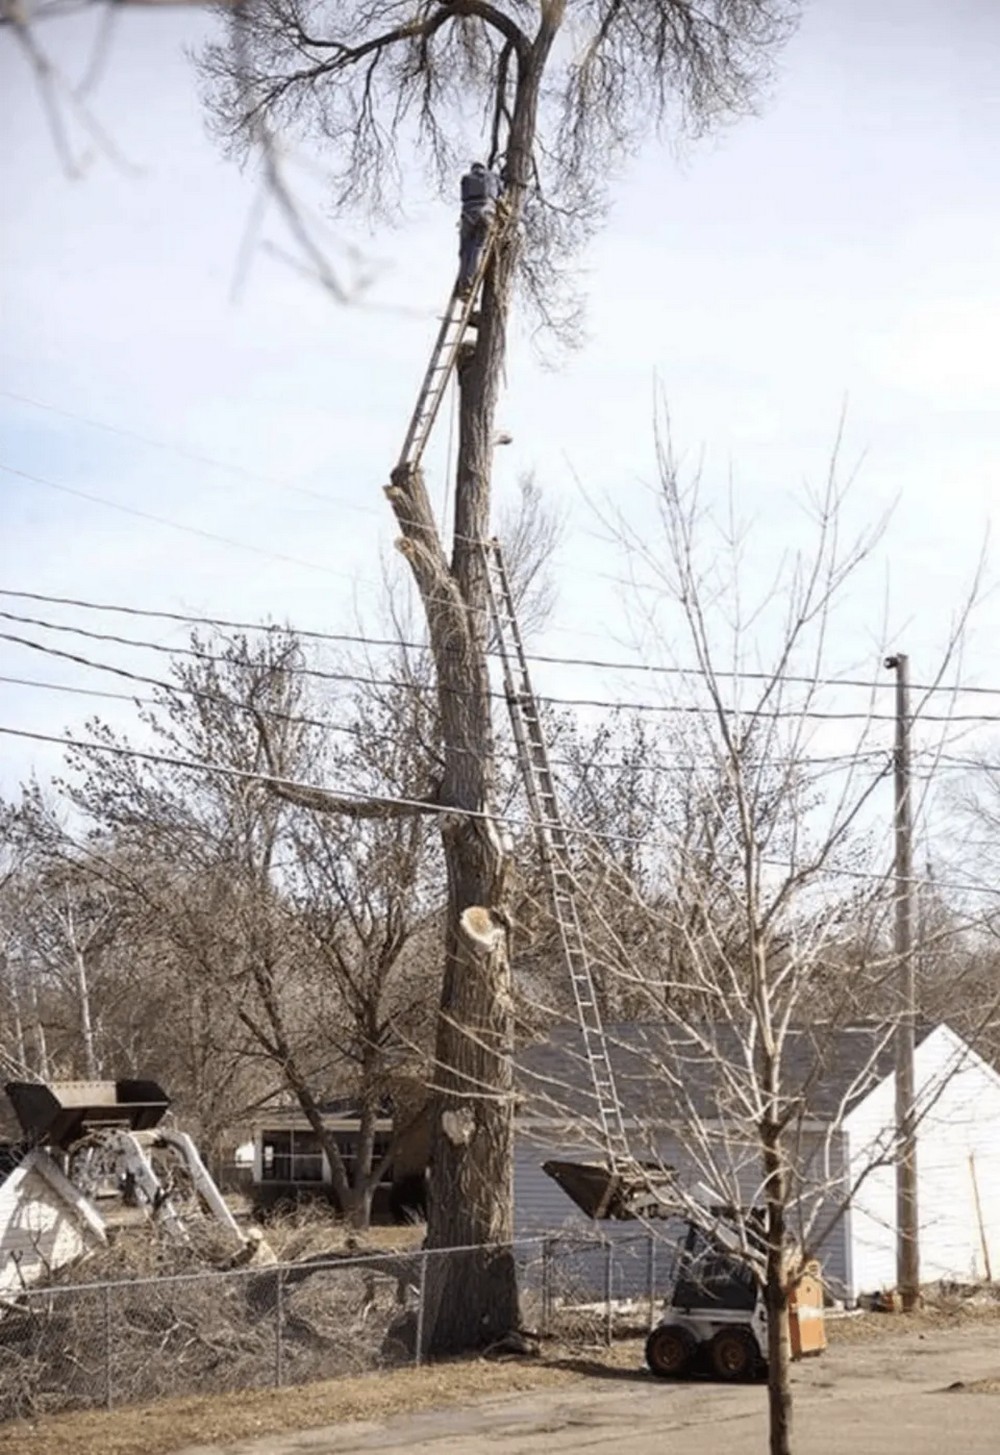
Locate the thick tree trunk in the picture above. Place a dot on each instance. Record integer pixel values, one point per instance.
(472, 1296)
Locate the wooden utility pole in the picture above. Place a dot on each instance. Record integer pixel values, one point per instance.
(907, 1220)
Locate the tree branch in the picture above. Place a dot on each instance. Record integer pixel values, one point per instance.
(319, 800)
(420, 29)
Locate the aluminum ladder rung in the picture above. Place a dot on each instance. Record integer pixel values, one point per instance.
(444, 355)
(540, 786)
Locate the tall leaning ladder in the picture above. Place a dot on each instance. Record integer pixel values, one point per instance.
(444, 356)
(533, 759)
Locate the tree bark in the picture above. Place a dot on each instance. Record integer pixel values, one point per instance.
(779, 1383)
(359, 1213)
(472, 1296)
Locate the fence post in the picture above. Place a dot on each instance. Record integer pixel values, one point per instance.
(418, 1338)
(546, 1287)
(109, 1388)
(279, 1330)
(608, 1284)
(651, 1275)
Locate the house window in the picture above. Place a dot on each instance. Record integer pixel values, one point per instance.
(291, 1157)
(298, 1157)
(347, 1146)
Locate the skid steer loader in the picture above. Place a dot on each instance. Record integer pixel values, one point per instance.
(715, 1319)
(95, 1157)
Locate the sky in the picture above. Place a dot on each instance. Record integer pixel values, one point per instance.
(835, 256)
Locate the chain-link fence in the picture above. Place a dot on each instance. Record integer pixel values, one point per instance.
(104, 1344)
(592, 1288)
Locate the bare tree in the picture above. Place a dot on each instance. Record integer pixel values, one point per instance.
(68, 925)
(781, 878)
(13, 1040)
(562, 93)
(297, 940)
(957, 970)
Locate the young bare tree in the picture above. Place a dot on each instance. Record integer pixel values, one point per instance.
(296, 940)
(561, 93)
(956, 971)
(68, 927)
(751, 1055)
(14, 1052)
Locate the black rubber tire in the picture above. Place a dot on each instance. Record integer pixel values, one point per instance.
(670, 1351)
(733, 1355)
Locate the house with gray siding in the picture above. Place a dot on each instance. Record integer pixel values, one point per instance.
(678, 1103)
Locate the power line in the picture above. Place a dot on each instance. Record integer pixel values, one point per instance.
(220, 539)
(595, 663)
(591, 663)
(197, 457)
(320, 673)
(351, 795)
(187, 619)
(201, 458)
(422, 806)
(323, 674)
(194, 530)
(648, 765)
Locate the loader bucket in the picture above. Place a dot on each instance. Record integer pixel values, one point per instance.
(59, 1113)
(600, 1192)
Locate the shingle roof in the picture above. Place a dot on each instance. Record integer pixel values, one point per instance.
(660, 1070)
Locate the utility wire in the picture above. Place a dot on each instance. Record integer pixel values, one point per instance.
(197, 457)
(594, 663)
(220, 539)
(185, 618)
(284, 557)
(201, 458)
(398, 684)
(351, 795)
(655, 766)
(423, 806)
(194, 530)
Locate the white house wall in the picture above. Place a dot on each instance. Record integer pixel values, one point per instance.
(958, 1153)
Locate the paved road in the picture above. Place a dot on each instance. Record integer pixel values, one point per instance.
(885, 1398)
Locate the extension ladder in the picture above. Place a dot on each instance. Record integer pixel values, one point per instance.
(443, 358)
(533, 759)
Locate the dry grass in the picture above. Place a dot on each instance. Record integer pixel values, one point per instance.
(312, 1229)
(172, 1424)
(155, 1332)
(941, 1314)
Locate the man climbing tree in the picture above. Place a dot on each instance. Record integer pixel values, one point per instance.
(481, 188)
(565, 88)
